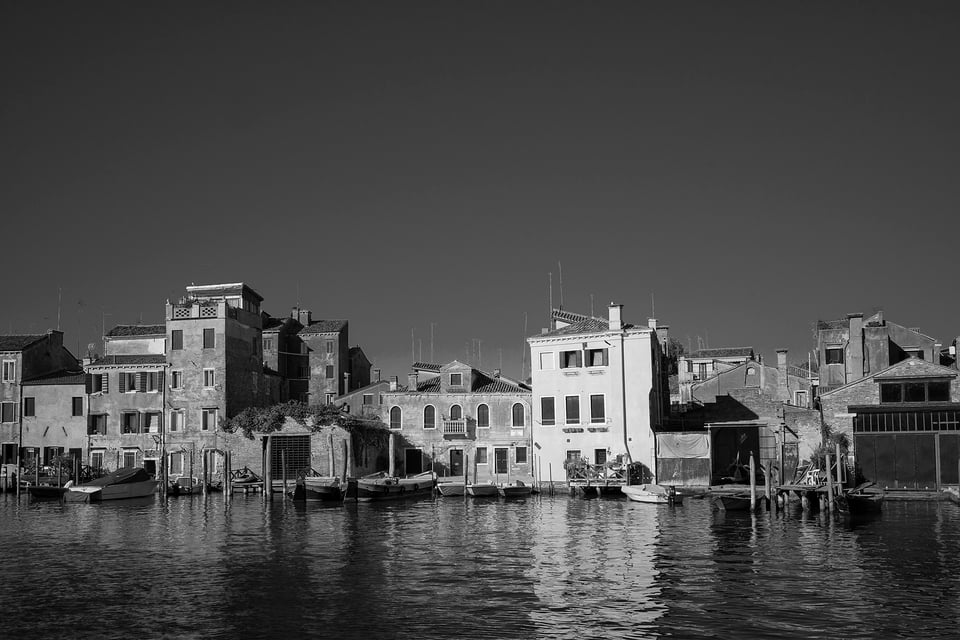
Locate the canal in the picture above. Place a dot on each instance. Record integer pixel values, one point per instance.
(548, 567)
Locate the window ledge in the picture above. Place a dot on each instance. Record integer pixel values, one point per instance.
(573, 429)
(570, 373)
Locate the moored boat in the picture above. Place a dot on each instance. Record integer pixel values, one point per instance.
(857, 501)
(319, 489)
(46, 492)
(731, 502)
(457, 488)
(516, 489)
(127, 482)
(380, 486)
(482, 489)
(652, 494)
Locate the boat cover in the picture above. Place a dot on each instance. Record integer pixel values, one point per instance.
(121, 476)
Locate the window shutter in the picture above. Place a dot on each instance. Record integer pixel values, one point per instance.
(123, 382)
(105, 382)
(142, 382)
(88, 383)
(160, 377)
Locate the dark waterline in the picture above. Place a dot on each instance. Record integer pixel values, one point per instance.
(450, 568)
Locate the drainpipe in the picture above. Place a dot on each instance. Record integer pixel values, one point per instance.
(623, 397)
(20, 421)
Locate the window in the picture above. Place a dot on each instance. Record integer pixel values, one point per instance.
(208, 419)
(97, 424)
(800, 398)
(481, 455)
(153, 381)
(6, 412)
(328, 398)
(546, 361)
(29, 407)
(96, 459)
(521, 455)
(268, 344)
(456, 379)
(429, 417)
(834, 355)
(915, 391)
(547, 412)
(176, 340)
(209, 378)
(368, 398)
(176, 380)
(329, 372)
(751, 371)
(573, 409)
(176, 463)
(598, 412)
(701, 371)
(395, 416)
(573, 455)
(151, 423)
(914, 353)
(130, 457)
(209, 339)
(128, 382)
(599, 456)
(571, 359)
(938, 391)
(597, 358)
(9, 370)
(329, 346)
(891, 392)
(483, 416)
(518, 421)
(456, 412)
(130, 422)
(176, 420)
(98, 382)
(77, 406)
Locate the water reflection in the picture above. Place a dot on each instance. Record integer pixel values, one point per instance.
(550, 567)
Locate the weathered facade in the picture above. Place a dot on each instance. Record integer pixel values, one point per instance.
(598, 391)
(54, 418)
(24, 358)
(703, 364)
(903, 423)
(454, 419)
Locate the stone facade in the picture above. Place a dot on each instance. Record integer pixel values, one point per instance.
(455, 418)
(54, 420)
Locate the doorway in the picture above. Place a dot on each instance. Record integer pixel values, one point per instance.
(500, 459)
(456, 462)
(600, 456)
(413, 461)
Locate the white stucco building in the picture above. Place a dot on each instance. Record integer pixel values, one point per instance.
(597, 391)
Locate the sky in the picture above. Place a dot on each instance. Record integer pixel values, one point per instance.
(740, 169)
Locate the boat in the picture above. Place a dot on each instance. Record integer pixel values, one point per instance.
(380, 486)
(731, 502)
(184, 486)
(652, 494)
(127, 482)
(482, 489)
(46, 492)
(856, 501)
(319, 488)
(515, 489)
(455, 488)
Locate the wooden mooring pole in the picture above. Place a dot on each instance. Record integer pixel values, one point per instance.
(268, 469)
(829, 484)
(550, 471)
(345, 449)
(331, 459)
(753, 484)
(283, 470)
(392, 468)
(767, 481)
(351, 463)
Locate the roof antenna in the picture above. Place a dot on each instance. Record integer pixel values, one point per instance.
(413, 347)
(523, 351)
(591, 305)
(59, 299)
(298, 295)
(653, 306)
(431, 342)
(560, 267)
(550, 315)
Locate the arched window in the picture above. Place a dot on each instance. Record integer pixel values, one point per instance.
(395, 418)
(429, 417)
(483, 416)
(518, 415)
(456, 413)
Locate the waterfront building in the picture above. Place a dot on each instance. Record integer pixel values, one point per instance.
(332, 366)
(26, 358)
(747, 409)
(126, 390)
(283, 355)
(599, 391)
(902, 421)
(704, 363)
(853, 348)
(453, 418)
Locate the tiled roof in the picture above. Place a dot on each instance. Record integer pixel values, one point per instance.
(130, 359)
(19, 342)
(131, 330)
(579, 324)
(60, 377)
(426, 366)
(324, 326)
(272, 323)
(723, 352)
(915, 368)
(486, 385)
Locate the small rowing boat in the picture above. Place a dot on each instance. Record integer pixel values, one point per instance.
(652, 494)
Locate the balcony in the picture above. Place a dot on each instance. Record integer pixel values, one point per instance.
(455, 428)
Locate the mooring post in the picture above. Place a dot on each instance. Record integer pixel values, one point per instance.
(550, 471)
(345, 449)
(203, 471)
(227, 475)
(840, 483)
(805, 500)
(767, 481)
(268, 469)
(283, 470)
(393, 462)
(829, 483)
(466, 467)
(351, 464)
(753, 484)
(331, 460)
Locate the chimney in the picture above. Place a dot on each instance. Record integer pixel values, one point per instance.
(496, 373)
(783, 388)
(393, 383)
(346, 381)
(376, 375)
(304, 316)
(854, 366)
(295, 313)
(412, 381)
(616, 323)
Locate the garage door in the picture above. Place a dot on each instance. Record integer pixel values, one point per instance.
(898, 461)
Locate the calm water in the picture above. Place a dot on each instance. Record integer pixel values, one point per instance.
(555, 567)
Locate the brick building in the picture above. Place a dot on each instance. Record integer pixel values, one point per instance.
(705, 363)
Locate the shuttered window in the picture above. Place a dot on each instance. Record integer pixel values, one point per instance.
(547, 411)
(176, 340)
(29, 407)
(209, 340)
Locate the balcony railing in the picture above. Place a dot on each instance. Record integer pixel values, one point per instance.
(454, 427)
